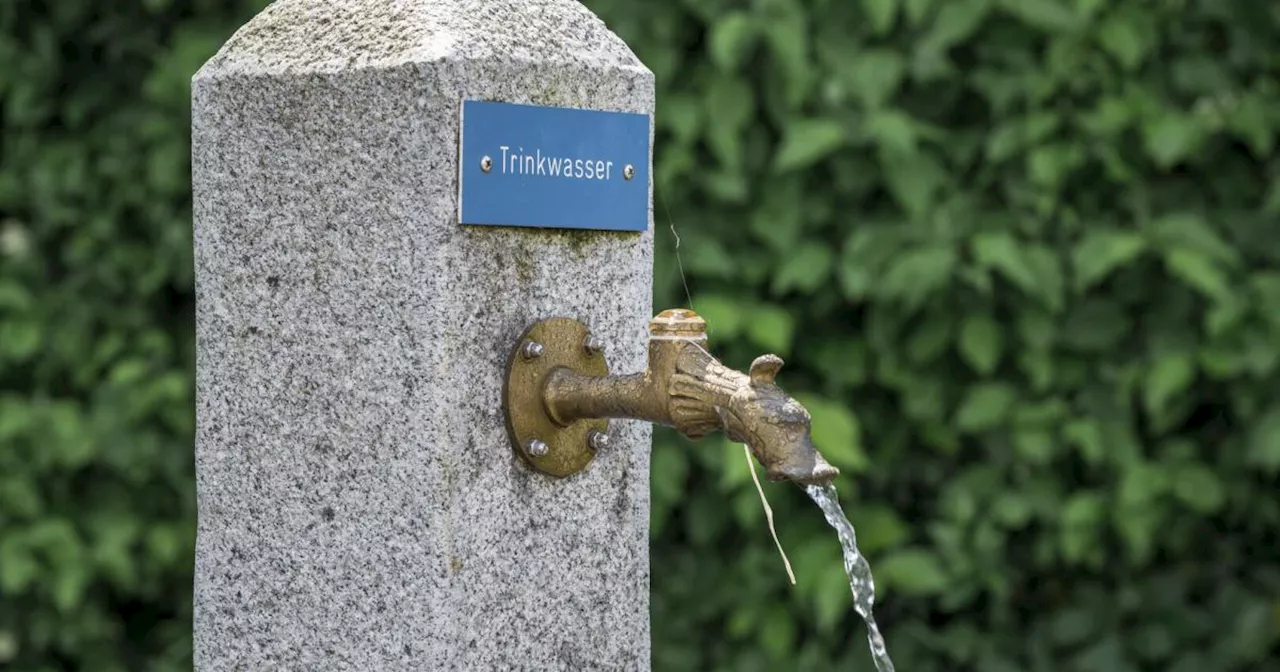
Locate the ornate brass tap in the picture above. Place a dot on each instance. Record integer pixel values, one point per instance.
(559, 396)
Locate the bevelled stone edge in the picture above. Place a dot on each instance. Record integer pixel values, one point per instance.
(327, 37)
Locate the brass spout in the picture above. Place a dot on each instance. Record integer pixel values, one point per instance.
(683, 386)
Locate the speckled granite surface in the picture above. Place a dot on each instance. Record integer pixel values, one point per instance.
(360, 507)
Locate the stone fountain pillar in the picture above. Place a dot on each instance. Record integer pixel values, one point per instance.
(360, 507)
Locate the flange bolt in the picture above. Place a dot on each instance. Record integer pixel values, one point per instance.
(531, 350)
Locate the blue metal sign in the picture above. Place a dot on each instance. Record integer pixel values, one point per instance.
(553, 167)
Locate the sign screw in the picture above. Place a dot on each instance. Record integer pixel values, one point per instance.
(628, 172)
(598, 440)
(531, 350)
(538, 448)
(593, 344)
(486, 164)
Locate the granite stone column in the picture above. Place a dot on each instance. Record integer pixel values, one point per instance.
(360, 506)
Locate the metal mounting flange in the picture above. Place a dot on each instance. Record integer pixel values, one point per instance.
(545, 445)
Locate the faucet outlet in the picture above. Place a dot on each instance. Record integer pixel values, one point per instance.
(565, 396)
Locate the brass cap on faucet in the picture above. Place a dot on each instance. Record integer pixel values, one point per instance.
(678, 323)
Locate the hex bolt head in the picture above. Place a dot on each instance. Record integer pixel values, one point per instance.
(594, 344)
(486, 164)
(598, 440)
(628, 172)
(531, 350)
(538, 448)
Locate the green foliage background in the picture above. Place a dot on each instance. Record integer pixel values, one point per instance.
(1020, 257)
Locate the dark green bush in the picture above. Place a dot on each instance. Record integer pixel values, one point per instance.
(1017, 254)
(97, 496)
(1022, 252)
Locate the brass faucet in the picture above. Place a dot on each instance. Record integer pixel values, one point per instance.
(559, 396)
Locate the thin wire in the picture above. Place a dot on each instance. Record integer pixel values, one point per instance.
(746, 451)
(680, 264)
(768, 513)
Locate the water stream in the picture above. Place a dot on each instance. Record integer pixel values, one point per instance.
(856, 567)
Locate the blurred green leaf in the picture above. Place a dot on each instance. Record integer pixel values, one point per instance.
(879, 528)
(1101, 252)
(1104, 654)
(17, 566)
(1086, 436)
(1035, 446)
(881, 14)
(931, 339)
(1199, 488)
(805, 270)
(724, 315)
(1172, 138)
(913, 571)
(1094, 325)
(808, 141)
(981, 342)
(1169, 376)
(788, 37)
(985, 406)
(893, 130)
(1264, 441)
(682, 114)
(777, 634)
(1048, 15)
(1142, 483)
(1032, 269)
(1012, 509)
(835, 432)
(1050, 282)
(1123, 36)
(734, 104)
(19, 340)
(1199, 272)
(1074, 626)
(770, 327)
(833, 601)
(668, 470)
(917, 273)
(917, 10)
(730, 39)
(1184, 230)
(1080, 518)
(14, 297)
(956, 21)
(915, 180)
(1254, 121)
(876, 75)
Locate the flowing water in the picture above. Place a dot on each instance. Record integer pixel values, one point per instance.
(856, 567)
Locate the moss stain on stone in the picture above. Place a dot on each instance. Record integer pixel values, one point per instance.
(578, 241)
(551, 96)
(524, 267)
